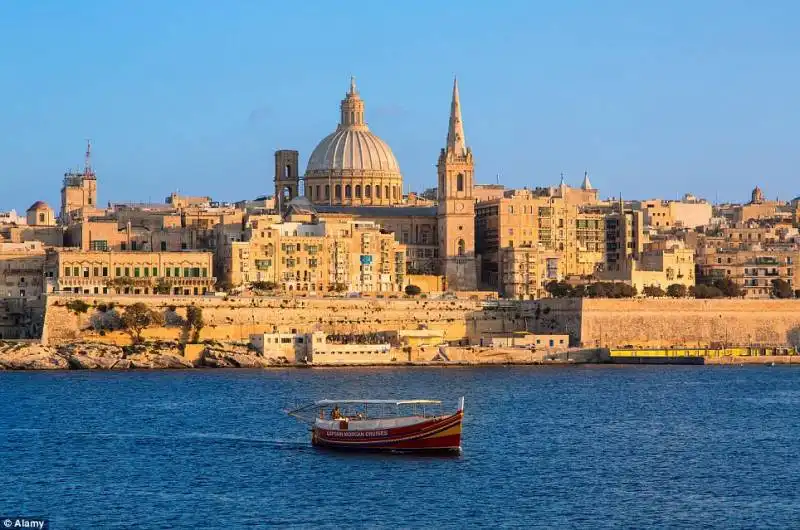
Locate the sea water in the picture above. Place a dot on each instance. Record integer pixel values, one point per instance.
(543, 447)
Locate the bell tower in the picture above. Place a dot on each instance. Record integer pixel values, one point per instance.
(287, 179)
(456, 208)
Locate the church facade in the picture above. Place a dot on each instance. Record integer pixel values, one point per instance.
(353, 172)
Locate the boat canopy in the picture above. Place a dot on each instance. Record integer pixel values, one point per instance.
(325, 402)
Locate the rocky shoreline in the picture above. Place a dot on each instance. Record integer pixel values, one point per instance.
(158, 355)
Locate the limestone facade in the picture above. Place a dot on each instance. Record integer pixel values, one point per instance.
(21, 269)
(527, 219)
(753, 270)
(307, 255)
(94, 272)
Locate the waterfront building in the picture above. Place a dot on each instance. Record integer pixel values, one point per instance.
(11, 217)
(308, 253)
(528, 219)
(21, 269)
(129, 272)
(753, 269)
(526, 271)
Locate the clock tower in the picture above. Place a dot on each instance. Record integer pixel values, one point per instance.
(456, 210)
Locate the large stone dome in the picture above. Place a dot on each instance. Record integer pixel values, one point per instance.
(352, 148)
(353, 166)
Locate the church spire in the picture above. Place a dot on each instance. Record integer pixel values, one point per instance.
(456, 143)
(587, 185)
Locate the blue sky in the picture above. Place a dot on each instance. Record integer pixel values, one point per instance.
(654, 99)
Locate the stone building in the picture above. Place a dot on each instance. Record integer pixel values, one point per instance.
(752, 269)
(527, 270)
(21, 269)
(687, 213)
(40, 214)
(625, 238)
(142, 272)
(311, 254)
(528, 219)
(354, 172)
(79, 191)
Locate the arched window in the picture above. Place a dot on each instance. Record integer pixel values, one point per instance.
(394, 192)
(338, 191)
(288, 171)
(358, 191)
(316, 194)
(368, 191)
(327, 191)
(387, 192)
(460, 182)
(378, 192)
(461, 247)
(348, 192)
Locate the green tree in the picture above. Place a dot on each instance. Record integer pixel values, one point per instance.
(77, 306)
(412, 290)
(677, 290)
(728, 287)
(120, 283)
(263, 286)
(654, 291)
(162, 286)
(706, 291)
(558, 289)
(781, 289)
(138, 317)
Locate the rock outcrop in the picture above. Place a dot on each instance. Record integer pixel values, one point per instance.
(22, 356)
(233, 356)
(97, 356)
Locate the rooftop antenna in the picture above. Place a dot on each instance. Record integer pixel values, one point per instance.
(87, 167)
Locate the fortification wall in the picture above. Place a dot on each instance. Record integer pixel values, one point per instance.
(236, 318)
(663, 323)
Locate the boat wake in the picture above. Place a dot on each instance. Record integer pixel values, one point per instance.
(211, 437)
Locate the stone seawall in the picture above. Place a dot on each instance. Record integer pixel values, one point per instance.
(235, 319)
(665, 323)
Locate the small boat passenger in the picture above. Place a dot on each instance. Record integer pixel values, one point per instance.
(335, 414)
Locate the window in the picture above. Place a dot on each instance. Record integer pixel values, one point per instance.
(118, 272)
(96, 271)
(147, 271)
(462, 247)
(358, 191)
(327, 191)
(195, 272)
(76, 271)
(177, 272)
(204, 273)
(98, 245)
(347, 192)
(186, 272)
(338, 191)
(123, 246)
(169, 272)
(378, 192)
(136, 272)
(105, 271)
(41, 218)
(67, 271)
(163, 246)
(127, 271)
(460, 182)
(133, 245)
(368, 191)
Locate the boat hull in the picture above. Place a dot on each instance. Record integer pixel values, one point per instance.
(433, 435)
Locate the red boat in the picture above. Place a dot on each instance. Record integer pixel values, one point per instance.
(383, 425)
